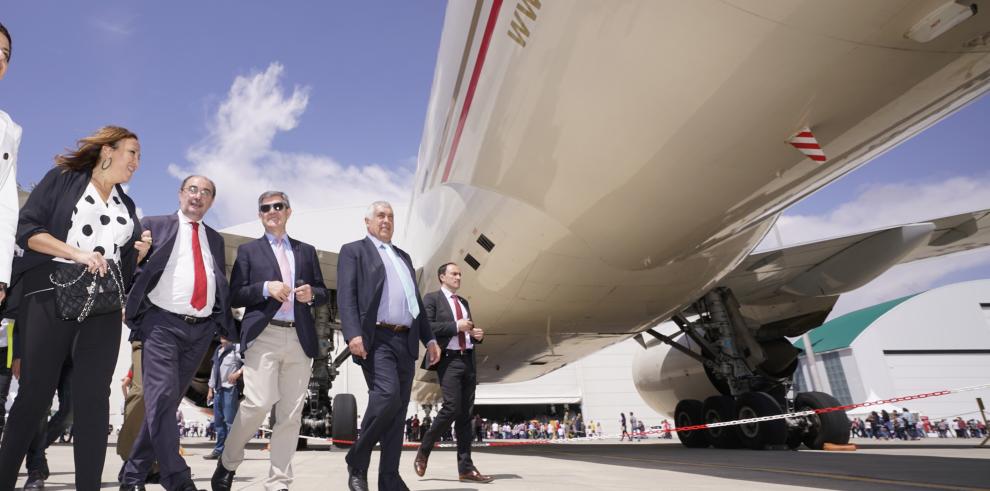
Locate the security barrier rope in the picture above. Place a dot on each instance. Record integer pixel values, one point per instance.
(798, 414)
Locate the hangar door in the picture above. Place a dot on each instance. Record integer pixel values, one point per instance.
(919, 371)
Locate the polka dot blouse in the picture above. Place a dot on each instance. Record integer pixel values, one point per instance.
(98, 226)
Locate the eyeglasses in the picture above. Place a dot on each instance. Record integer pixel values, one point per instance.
(194, 190)
(277, 206)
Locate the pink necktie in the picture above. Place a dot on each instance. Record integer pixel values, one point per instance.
(283, 266)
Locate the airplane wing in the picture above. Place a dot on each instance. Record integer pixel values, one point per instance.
(791, 290)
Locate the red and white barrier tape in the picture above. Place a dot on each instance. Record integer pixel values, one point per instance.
(799, 414)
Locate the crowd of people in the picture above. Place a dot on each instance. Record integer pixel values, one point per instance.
(907, 425)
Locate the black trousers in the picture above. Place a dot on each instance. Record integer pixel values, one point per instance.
(457, 381)
(388, 370)
(47, 340)
(50, 430)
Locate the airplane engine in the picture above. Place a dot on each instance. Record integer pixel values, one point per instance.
(664, 376)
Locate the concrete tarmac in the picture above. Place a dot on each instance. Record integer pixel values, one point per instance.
(608, 465)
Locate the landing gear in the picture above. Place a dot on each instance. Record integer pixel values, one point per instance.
(752, 368)
(690, 412)
(344, 420)
(765, 434)
(719, 409)
(817, 430)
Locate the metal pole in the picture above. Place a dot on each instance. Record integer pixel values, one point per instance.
(813, 378)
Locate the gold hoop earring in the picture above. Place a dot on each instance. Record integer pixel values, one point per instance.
(106, 163)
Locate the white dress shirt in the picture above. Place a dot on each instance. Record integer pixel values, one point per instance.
(175, 287)
(10, 140)
(454, 344)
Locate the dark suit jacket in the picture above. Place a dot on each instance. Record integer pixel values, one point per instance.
(360, 282)
(49, 210)
(164, 229)
(256, 264)
(442, 322)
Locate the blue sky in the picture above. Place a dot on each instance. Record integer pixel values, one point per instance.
(162, 68)
(337, 92)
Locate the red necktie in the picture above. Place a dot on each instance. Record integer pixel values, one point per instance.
(458, 315)
(198, 300)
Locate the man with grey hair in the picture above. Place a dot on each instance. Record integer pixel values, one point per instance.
(277, 280)
(383, 319)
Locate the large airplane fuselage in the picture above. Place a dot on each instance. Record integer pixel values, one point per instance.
(622, 157)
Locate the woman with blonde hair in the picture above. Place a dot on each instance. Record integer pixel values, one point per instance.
(81, 235)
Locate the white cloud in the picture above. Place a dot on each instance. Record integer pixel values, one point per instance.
(888, 205)
(114, 23)
(911, 278)
(238, 155)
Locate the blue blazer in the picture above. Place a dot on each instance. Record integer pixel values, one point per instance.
(164, 229)
(256, 264)
(360, 282)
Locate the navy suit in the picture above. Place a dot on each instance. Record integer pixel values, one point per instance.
(172, 351)
(256, 264)
(391, 360)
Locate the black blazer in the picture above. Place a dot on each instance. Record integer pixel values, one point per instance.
(256, 264)
(442, 323)
(164, 229)
(360, 282)
(49, 210)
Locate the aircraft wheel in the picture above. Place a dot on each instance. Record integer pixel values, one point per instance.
(716, 410)
(344, 420)
(760, 435)
(690, 412)
(823, 428)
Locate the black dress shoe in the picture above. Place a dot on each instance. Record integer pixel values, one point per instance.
(222, 479)
(356, 480)
(35, 481)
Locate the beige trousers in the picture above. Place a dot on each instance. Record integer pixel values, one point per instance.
(276, 372)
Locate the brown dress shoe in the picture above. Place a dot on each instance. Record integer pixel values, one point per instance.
(475, 476)
(420, 463)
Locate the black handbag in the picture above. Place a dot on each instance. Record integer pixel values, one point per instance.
(79, 293)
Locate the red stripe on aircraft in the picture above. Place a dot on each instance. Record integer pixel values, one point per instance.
(475, 75)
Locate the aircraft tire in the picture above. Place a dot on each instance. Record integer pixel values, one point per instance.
(824, 428)
(759, 436)
(717, 409)
(344, 420)
(690, 412)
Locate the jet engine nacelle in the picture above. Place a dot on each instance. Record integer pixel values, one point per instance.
(664, 376)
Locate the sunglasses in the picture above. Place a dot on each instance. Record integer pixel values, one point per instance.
(279, 206)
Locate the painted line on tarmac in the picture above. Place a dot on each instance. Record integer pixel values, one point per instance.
(825, 475)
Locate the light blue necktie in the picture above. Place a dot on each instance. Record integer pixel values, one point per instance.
(406, 279)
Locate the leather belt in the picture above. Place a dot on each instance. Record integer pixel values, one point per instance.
(457, 352)
(283, 323)
(188, 319)
(392, 327)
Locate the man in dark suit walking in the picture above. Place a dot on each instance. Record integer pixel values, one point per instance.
(278, 339)
(383, 319)
(450, 319)
(177, 303)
